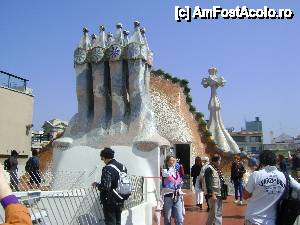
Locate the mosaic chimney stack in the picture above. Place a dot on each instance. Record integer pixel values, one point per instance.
(114, 110)
(101, 94)
(113, 76)
(215, 125)
(83, 80)
(139, 73)
(117, 82)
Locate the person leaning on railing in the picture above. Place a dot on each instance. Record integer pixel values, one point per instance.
(15, 213)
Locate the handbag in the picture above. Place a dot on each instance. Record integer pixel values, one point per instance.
(288, 208)
(224, 191)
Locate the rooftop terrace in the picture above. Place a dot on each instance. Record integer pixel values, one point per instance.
(13, 82)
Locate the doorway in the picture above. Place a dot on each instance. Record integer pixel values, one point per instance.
(183, 153)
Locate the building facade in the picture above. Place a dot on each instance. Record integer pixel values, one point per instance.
(51, 130)
(255, 125)
(283, 144)
(54, 127)
(250, 140)
(16, 102)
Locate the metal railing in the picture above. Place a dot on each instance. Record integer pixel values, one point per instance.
(78, 205)
(64, 180)
(40, 138)
(12, 81)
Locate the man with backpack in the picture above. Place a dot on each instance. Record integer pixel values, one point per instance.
(11, 166)
(33, 168)
(264, 190)
(114, 187)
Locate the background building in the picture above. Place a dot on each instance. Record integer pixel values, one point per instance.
(39, 140)
(51, 129)
(249, 140)
(255, 125)
(54, 127)
(16, 102)
(283, 144)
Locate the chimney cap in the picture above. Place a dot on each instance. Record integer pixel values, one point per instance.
(126, 32)
(143, 30)
(136, 23)
(119, 25)
(85, 30)
(101, 28)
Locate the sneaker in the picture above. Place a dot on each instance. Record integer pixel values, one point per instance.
(200, 206)
(241, 202)
(236, 201)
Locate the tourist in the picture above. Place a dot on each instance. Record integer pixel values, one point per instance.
(13, 170)
(34, 169)
(282, 164)
(252, 166)
(264, 189)
(195, 172)
(205, 164)
(181, 168)
(295, 160)
(15, 213)
(171, 192)
(112, 204)
(214, 181)
(237, 173)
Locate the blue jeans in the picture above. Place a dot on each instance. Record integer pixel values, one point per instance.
(173, 207)
(238, 189)
(215, 212)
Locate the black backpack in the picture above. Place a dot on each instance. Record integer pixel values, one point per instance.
(296, 162)
(7, 164)
(28, 166)
(288, 208)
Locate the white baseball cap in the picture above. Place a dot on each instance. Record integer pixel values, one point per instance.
(205, 158)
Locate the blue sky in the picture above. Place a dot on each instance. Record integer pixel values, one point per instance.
(259, 58)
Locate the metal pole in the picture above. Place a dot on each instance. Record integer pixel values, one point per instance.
(8, 84)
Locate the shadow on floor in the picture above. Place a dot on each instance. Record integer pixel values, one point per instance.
(233, 217)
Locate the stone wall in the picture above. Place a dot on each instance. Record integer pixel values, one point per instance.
(168, 98)
(15, 121)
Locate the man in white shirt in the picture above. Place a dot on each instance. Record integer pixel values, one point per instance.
(205, 164)
(264, 189)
